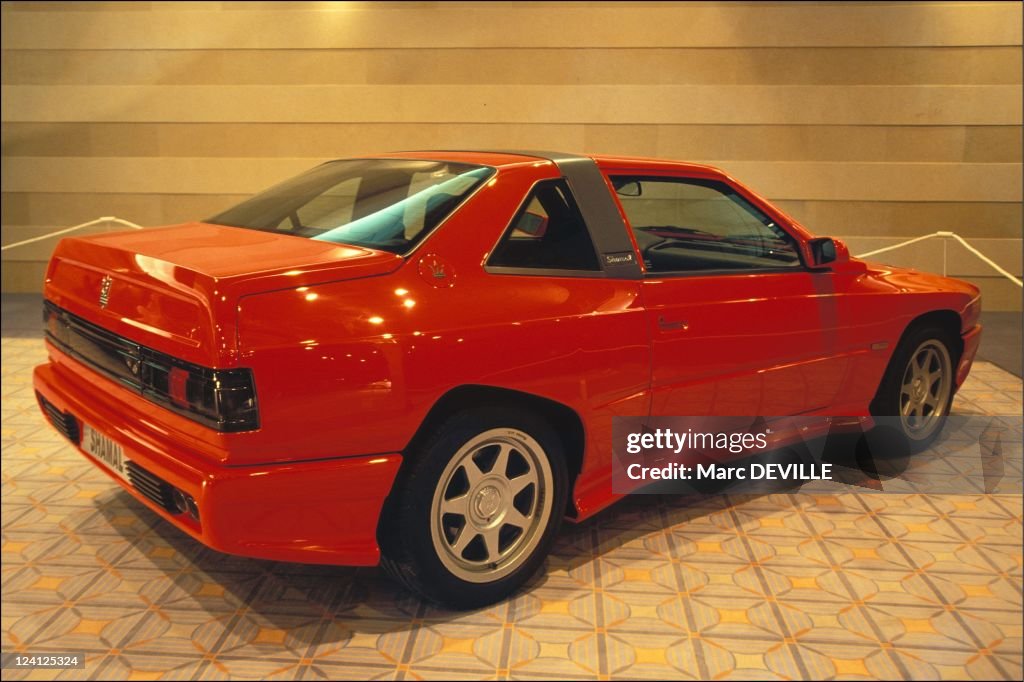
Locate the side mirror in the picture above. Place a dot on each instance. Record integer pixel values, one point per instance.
(826, 252)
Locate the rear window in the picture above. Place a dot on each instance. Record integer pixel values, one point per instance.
(387, 204)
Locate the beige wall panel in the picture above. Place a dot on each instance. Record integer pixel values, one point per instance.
(1005, 252)
(275, 139)
(465, 25)
(148, 174)
(44, 6)
(306, 5)
(344, 140)
(993, 144)
(787, 104)
(998, 293)
(757, 66)
(977, 144)
(14, 210)
(122, 6)
(907, 219)
(644, 140)
(147, 67)
(51, 210)
(835, 143)
(779, 180)
(81, 139)
(879, 181)
(264, 5)
(18, 277)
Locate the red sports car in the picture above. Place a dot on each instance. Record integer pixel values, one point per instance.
(415, 359)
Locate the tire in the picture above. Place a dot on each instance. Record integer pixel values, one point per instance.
(461, 531)
(918, 386)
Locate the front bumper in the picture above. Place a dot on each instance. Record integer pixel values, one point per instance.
(323, 512)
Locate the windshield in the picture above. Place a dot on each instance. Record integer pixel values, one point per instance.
(387, 204)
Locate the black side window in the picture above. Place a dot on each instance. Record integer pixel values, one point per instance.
(547, 233)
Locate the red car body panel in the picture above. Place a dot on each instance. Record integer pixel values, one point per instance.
(351, 348)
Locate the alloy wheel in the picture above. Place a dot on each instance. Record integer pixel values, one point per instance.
(491, 505)
(925, 389)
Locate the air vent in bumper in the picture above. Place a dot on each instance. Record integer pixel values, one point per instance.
(150, 485)
(64, 422)
(161, 492)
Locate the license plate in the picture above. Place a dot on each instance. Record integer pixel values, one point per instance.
(105, 450)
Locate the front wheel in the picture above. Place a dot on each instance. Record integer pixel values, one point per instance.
(917, 390)
(476, 508)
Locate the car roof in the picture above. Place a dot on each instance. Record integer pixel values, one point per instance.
(641, 162)
(500, 158)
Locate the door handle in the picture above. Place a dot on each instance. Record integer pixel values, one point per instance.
(669, 325)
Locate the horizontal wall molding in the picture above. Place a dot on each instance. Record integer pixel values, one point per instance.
(465, 25)
(486, 103)
(954, 144)
(976, 65)
(989, 182)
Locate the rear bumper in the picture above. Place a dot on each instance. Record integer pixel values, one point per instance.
(971, 340)
(312, 512)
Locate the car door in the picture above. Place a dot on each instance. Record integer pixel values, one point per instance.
(738, 324)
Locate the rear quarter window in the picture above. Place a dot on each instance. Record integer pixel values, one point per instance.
(547, 233)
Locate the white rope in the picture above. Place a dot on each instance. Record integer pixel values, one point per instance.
(902, 244)
(949, 235)
(105, 219)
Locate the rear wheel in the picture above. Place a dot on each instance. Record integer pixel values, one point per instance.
(917, 389)
(476, 508)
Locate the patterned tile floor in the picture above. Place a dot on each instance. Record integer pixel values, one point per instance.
(844, 585)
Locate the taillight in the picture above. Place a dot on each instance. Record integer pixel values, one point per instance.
(177, 386)
(222, 398)
(234, 399)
